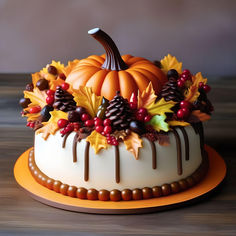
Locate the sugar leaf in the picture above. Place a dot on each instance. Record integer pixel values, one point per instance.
(35, 77)
(160, 107)
(36, 97)
(201, 115)
(192, 94)
(170, 62)
(196, 79)
(133, 143)
(158, 123)
(147, 96)
(84, 97)
(97, 141)
(178, 123)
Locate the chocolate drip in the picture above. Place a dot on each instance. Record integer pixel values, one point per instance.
(113, 59)
(198, 128)
(179, 154)
(64, 139)
(75, 148)
(154, 154)
(117, 165)
(86, 162)
(186, 141)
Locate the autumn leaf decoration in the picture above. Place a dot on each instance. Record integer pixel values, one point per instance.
(133, 143)
(84, 97)
(97, 141)
(50, 127)
(170, 62)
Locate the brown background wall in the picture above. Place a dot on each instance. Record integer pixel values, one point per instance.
(200, 33)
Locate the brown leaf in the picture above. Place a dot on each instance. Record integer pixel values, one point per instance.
(133, 143)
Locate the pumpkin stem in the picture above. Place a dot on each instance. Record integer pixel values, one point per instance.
(113, 59)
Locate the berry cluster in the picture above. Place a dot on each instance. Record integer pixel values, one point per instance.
(184, 77)
(30, 124)
(142, 115)
(184, 111)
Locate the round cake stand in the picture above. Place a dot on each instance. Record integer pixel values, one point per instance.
(215, 175)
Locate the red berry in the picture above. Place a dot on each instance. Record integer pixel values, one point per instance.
(147, 118)
(107, 129)
(186, 71)
(89, 123)
(109, 141)
(183, 79)
(180, 83)
(50, 92)
(107, 122)
(36, 109)
(62, 76)
(98, 121)
(28, 123)
(186, 112)
(185, 104)
(62, 123)
(32, 124)
(85, 117)
(142, 111)
(207, 88)
(69, 128)
(200, 85)
(133, 106)
(99, 128)
(103, 133)
(65, 86)
(140, 116)
(76, 126)
(49, 100)
(115, 142)
(183, 113)
(180, 114)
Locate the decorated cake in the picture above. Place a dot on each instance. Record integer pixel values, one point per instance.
(115, 127)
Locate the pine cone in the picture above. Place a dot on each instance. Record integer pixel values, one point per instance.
(63, 100)
(170, 91)
(119, 112)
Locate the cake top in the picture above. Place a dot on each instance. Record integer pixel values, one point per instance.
(111, 98)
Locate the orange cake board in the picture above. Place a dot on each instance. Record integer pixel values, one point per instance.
(215, 175)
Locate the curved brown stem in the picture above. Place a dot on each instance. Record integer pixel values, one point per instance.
(113, 59)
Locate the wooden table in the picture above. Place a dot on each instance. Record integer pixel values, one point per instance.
(21, 215)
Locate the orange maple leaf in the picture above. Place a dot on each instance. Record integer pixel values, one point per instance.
(192, 94)
(133, 143)
(201, 115)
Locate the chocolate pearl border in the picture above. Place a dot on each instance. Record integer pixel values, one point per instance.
(117, 195)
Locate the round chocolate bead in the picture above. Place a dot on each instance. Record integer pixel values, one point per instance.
(137, 194)
(175, 188)
(92, 194)
(190, 181)
(56, 186)
(64, 188)
(156, 191)
(183, 184)
(115, 195)
(172, 73)
(42, 84)
(29, 87)
(49, 183)
(126, 194)
(197, 175)
(73, 116)
(45, 113)
(24, 102)
(103, 195)
(72, 191)
(52, 70)
(147, 193)
(166, 190)
(80, 110)
(81, 193)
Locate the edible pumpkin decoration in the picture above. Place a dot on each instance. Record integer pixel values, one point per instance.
(109, 73)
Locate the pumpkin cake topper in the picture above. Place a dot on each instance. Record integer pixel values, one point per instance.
(111, 72)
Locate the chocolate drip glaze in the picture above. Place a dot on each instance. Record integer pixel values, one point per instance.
(117, 165)
(64, 139)
(86, 162)
(113, 59)
(154, 154)
(186, 141)
(75, 148)
(179, 153)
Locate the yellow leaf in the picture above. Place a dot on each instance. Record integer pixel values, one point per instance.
(36, 97)
(97, 141)
(178, 123)
(147, 96)
(160, 107)
(84, 97)
(198, 78)
(60, 69)
(201, 116)
(170, 62)
(70, 66)
(50, 127)
(35, 77)
(55, 83)
(133, 143)
(192, 94)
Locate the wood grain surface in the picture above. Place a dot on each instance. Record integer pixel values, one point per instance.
(21, 215)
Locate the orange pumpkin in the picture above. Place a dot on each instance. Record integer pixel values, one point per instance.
(109, 73)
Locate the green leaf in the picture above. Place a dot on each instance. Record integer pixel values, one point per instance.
(158, 123)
